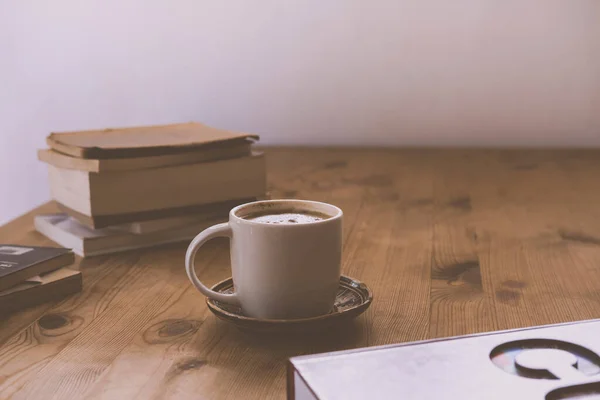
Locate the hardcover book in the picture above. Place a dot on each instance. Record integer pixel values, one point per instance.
(142, 141)
(120, 220)
(146, 190)
(50, 286)
(87, 242)
(18, 263)
(103, 165)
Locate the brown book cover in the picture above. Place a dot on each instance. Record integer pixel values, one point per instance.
(143, 140)
(159, 188)
(18, 263)
(53, 285)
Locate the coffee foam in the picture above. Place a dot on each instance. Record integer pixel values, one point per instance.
(286, 218)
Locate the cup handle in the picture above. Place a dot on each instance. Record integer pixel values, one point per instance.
(219, 230)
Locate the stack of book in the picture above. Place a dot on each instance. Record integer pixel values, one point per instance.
(129, 188)
(31, 275)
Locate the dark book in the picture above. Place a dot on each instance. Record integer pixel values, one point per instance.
(19, 263)
(51, 286)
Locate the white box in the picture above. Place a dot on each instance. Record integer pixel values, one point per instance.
(488, 366)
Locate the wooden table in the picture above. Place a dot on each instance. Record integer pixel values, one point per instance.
(450, 241)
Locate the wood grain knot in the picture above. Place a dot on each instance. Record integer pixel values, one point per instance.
(461, 203)
(53, 325)
(462, 273)
(176, 328)
(335, 164)
(194, 363)
(53, 321)
(170, 329)
(459, 281)
(182, 366)
(578, 237)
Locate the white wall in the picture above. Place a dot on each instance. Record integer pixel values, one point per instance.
(394, 72)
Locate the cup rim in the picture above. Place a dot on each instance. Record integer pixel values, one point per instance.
(233, 216)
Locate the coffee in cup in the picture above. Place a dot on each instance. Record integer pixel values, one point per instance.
(285, 258)
(286, 217)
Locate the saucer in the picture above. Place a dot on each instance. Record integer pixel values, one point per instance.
(352, 299)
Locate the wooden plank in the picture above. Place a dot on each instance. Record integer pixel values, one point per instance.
(37, 347)
(540, 217)
(450, 242)
(459, 303)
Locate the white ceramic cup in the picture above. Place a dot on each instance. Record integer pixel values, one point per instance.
(280, 271)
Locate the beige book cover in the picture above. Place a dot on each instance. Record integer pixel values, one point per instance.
(143, 140)
(61, 160)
